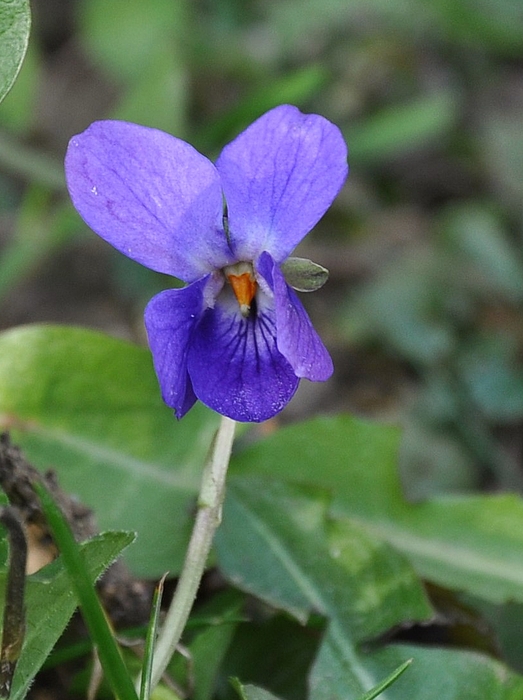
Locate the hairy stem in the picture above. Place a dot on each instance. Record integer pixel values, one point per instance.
(208, 518)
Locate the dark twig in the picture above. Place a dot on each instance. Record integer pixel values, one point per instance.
(14, 610)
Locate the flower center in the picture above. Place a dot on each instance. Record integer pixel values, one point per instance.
(241, 278)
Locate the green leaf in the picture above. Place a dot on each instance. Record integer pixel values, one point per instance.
(451, 674)
(50, 603)
(89, 406)
(15, 23)
(434, 674)
(469, 543)
(276, 543)
(208, 645)
(274, 652)
(251, 692)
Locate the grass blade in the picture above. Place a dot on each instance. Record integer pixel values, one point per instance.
(150, 639)
(92, 611)
(378, 689)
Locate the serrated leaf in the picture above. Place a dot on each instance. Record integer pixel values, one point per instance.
(15, 23)
(89, 406)
(50, 602)
(469, 543)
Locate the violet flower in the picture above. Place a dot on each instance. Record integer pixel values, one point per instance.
(236, 337)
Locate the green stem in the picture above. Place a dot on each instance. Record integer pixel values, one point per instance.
(212, 493)
(93, 613)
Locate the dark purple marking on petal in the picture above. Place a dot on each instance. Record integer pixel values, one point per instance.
(296, 338)
(235, 366)
(279, 177)
(170, 319)
(151, 196)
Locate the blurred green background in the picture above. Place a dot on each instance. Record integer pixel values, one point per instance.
(423, 311)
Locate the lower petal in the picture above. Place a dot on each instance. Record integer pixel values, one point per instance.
(298, 342)
(170, 319)
(235, 366)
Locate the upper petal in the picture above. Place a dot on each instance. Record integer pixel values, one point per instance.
(279, 177)
(149, 194)
(170, 318)
(297, 340)
(235, 365)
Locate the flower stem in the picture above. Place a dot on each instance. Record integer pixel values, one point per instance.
(208, 518)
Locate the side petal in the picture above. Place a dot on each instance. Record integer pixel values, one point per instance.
(279, 177)
(170, 319)
(235, 366)
(150, 195)
(297, 340)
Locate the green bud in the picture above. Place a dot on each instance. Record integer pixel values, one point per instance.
(304, 275)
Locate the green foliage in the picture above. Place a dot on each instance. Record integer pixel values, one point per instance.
(93, 614)
(208, 640)
(15, 21)
(434, 674)
(89, 406)
(252, 692)
(468, 543)
(326, 537)
(275, 542)
(50, 604)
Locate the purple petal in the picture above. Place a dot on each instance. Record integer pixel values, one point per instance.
(235, 366)
(279, 177)
(297, 340)
(170, 318)
(150, 195)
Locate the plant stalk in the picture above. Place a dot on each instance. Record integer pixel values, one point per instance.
(208, 517)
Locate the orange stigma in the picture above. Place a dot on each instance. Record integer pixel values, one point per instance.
(241, 279)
